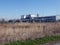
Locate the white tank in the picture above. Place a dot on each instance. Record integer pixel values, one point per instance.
(57, 18)
(33, 16)
(23, 16)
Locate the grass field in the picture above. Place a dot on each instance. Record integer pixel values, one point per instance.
(26, 31)
(35, 41)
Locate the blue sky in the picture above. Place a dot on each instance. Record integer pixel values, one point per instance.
(10, 9)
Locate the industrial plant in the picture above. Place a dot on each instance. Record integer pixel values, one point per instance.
(33, 18)
(37, 18)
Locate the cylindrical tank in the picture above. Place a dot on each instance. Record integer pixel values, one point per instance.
(57, 18)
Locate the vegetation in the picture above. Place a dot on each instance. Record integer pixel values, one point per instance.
(35, 41)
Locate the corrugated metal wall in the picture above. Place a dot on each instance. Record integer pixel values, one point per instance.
(45, 19)
(40, 19)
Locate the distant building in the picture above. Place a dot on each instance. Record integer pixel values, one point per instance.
(37, 18)
(45, 19)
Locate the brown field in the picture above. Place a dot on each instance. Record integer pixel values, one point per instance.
(23, 31)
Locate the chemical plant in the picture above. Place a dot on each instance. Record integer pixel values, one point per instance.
(33, 18)
(37, 18)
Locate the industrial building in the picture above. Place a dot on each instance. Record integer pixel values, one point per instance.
(32, 18)
(45, 19)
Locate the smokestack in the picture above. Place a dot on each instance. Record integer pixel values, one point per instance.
(37, 15)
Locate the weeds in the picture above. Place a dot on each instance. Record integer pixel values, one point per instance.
(36, 41)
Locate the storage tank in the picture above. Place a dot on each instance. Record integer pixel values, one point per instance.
(57, 18)
(23, 18)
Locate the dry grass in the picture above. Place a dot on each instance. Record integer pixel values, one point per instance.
(22, 31)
